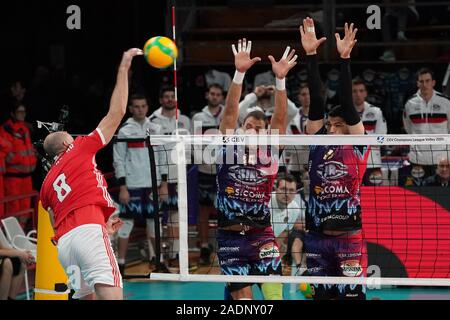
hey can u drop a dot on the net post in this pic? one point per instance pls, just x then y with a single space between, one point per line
182 207
155 201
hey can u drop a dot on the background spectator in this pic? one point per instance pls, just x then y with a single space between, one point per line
442 176
426 112
20 161
12 264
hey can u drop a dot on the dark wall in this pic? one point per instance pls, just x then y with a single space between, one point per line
34 33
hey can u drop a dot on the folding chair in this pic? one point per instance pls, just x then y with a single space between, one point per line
18 240
4 243
17 237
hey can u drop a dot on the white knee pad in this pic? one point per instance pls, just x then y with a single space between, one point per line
125 231
151 228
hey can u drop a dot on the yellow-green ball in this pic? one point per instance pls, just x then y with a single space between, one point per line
305 289
160 52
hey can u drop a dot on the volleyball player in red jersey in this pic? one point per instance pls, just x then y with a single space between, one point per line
75 193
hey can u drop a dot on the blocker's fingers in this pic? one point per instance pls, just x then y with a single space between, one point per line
233 47
285 54
244 45
249 46
239 45
291 54
293 59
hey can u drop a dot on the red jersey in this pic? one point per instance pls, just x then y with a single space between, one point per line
74 182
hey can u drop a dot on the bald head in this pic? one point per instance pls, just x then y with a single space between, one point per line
57 142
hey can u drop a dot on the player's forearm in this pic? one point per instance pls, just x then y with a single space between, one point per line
119 98
351 116
231 112
10 253
317 107
279 118
249 101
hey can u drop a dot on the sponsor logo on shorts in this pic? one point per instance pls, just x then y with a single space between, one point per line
351 268
230 261
350 255
315 269
269 252
313 255
229 249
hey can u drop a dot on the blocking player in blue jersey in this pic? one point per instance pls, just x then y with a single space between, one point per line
334 242
245 178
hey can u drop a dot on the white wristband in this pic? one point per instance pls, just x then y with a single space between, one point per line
238 77
280 84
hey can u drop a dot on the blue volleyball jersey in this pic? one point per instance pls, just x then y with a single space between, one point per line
244 184
335 174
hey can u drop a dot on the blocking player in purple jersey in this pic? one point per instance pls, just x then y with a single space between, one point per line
334 242
245 178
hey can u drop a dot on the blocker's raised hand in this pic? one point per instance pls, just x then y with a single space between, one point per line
242 59
308 37
345 45
286 63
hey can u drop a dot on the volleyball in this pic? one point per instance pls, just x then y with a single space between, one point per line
160 52
305 288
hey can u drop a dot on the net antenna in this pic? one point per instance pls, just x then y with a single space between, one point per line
175 82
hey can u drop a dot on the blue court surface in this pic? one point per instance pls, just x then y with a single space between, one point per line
214 291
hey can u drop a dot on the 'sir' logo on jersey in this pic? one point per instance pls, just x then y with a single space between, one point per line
247 175
331 170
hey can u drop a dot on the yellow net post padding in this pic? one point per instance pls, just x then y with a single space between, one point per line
50 275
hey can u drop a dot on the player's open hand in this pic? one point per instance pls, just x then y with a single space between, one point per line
242 59
286 63
113 225
308 37
345 45
128 56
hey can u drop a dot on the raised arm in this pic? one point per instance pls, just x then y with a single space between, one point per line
119 98
242 62
310 44
344 47
281 69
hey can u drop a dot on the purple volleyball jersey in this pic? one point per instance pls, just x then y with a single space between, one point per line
335 174
244 184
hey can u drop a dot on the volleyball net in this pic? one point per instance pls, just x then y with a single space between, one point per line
404 204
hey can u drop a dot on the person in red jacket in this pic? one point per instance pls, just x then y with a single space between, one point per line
20 160
5 148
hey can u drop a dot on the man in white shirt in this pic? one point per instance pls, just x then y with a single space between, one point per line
426 112
131 164
298 155
165 117
262 99
288 217
374 123
207 121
